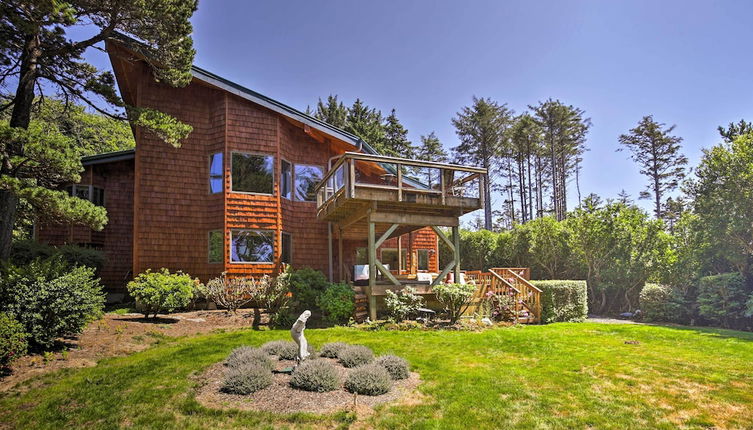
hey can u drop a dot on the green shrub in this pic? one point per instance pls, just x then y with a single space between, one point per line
284 349
660 303
162 291
315 375
330 350
275 298
355 355
246 379
563 301
369 380
13 342
403 304
246 354
24 252
396 366
50 299
337 303
722 299
455 298
306 285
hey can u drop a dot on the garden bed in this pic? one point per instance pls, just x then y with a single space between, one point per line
280 397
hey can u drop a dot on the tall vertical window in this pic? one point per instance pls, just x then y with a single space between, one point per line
252 246
215 173
287 248
286 179
252 173
306 178
423 259
215 246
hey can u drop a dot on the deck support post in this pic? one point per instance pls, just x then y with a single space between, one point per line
340 262
456 252
329 251
372 270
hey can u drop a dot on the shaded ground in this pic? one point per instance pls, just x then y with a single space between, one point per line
116 335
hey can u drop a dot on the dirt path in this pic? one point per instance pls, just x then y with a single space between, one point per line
115 335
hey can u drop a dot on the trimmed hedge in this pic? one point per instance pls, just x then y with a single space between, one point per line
563 301
722 299
24 252
660 303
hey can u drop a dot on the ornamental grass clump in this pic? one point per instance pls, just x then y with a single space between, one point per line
246 354
355 355
330 350
369 380
246 379
316 375
396 366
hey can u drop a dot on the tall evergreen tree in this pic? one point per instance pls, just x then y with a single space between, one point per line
431 149
658 155
732 131
482 130
333 112
39 51
564 130
525 143
396 143
366 123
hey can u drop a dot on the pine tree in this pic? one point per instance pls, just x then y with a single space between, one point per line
482 130
333 112
366 123
525 143
396 143
733 130
564 130
658 155
431 150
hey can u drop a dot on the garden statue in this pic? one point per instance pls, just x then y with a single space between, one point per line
297 332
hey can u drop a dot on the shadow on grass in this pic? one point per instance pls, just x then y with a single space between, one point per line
151 320
722 333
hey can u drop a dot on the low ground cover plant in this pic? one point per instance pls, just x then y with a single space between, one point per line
246 379
283 349
355 355
396 366
369 379
455 298
246 354
315 375
162 291
331 349
50 299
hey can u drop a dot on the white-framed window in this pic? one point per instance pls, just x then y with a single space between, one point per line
91 193
216 173
252 173
252 246
286 179
286 251
306 177
215 246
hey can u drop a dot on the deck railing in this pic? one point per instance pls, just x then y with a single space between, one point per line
355 170
511 282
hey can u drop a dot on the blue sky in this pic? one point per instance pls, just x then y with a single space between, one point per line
686 62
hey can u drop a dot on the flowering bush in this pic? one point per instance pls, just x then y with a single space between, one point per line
499 306
403 304
455 297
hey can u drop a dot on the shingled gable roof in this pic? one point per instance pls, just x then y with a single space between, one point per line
210 78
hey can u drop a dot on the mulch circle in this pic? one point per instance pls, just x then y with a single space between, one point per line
280 397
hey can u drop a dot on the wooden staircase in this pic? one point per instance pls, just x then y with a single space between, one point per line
509 281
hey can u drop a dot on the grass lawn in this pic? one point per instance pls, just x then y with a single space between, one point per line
533 377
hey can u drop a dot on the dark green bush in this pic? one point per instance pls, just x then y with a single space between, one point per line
355 355
306 285
330 350
24 252
13 342
660 303
369 380
50 299
563 301
337 303
158 292
396 366
246 379
315 375
722 299
246 354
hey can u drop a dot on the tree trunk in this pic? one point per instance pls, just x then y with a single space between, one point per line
20 117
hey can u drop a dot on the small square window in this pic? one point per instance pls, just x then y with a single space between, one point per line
215 246
253 173
286 179
216 173
306 179
252 246
287 248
